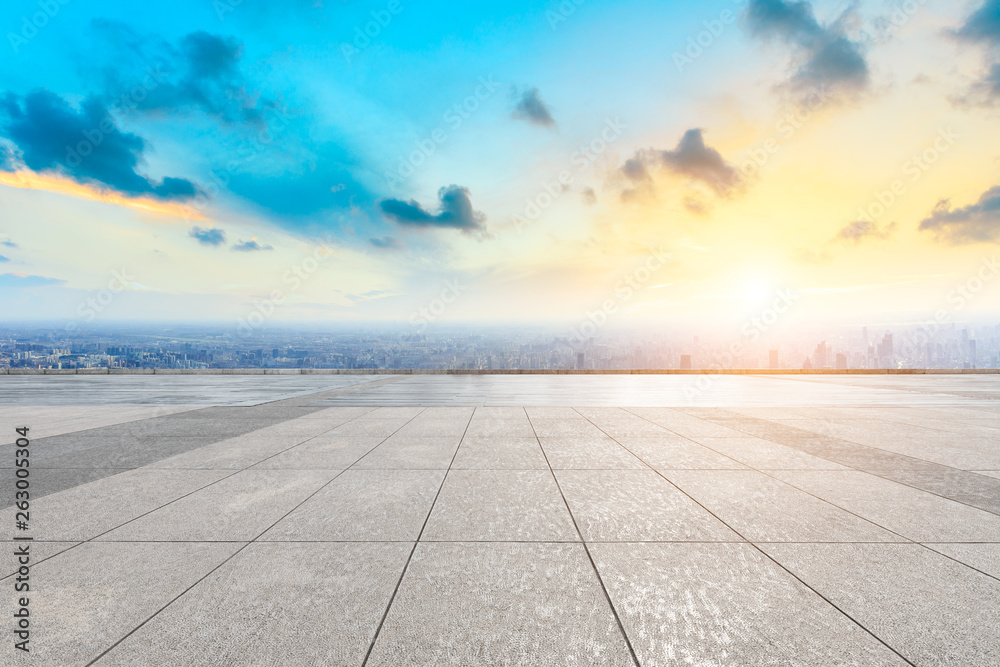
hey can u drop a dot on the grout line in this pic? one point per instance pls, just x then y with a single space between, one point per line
766 555
586 549
409 558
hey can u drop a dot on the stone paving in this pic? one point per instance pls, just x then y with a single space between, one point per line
506 520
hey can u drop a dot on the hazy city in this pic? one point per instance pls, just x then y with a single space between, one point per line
395 346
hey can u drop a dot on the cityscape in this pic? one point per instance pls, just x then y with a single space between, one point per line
467 347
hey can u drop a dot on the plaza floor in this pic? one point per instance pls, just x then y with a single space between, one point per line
505 520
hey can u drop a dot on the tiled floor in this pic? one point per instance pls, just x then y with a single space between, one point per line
508 520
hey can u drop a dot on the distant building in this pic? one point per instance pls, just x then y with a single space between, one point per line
841 362
581 360
685 362
772 359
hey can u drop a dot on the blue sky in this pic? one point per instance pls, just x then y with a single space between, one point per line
226 141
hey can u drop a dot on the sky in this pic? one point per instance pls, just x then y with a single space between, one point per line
643 162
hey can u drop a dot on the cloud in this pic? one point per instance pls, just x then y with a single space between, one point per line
22 280
589 196
388 242
209 79
84 144
830 60
532 108
976 223
809 257
4 259
211 237
860 230
9 244
983 25
983 28
456 211
691 158
7 160
250 246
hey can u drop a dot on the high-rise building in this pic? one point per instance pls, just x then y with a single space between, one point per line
772 359
685 362
841 362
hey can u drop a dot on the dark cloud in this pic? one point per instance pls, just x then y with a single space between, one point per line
860 230
589 196
983 28
212 237
388 242
250 246
983 25
976 223
532 108
830 60
85 145
635 170
199 73
694 159
455 211
21 280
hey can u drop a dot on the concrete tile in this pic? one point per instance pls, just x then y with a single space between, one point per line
37 551
523 505
983 557
375 428
85 511
394 413
500 453
636 505
324 452
402 452
726 604
500 604
672 452
763 509
89 597
434 427
232 454
239 508
46 481
340 413
929 608
989 473
764 455
364 506
565 428
132 453
251 611
912 513
595 453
